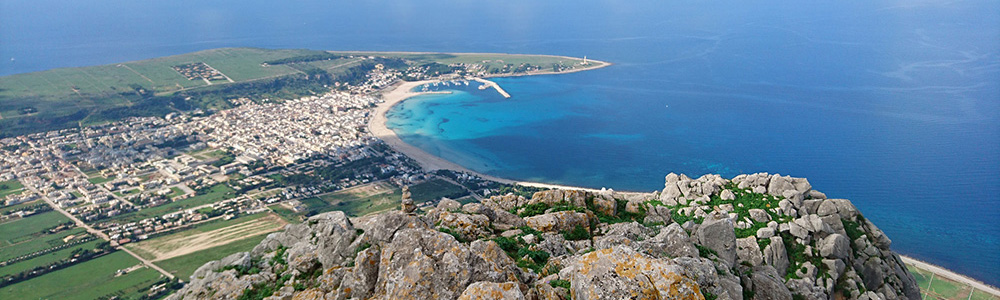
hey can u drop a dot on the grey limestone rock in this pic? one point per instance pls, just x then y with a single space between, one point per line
747 250
767 284
717 234
775 255
672 241
622 234
558 221
765 233
621 272
727 195
400 255
448 205
835 246
759 215
504 220
486 290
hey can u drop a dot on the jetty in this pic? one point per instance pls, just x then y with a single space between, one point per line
494 85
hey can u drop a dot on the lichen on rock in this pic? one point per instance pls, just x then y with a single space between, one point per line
756 236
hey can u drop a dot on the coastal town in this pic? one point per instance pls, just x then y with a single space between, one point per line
168 193
135 184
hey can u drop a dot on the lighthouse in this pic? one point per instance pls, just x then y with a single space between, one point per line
584 59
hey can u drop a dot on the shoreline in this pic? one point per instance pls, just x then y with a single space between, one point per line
377 127
401 91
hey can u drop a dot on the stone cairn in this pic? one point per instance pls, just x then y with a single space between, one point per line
406 204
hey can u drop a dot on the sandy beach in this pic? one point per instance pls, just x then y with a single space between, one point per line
402 91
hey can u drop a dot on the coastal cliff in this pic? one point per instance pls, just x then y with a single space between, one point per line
758 236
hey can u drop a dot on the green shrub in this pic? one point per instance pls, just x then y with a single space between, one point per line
362 247
258 291
708 295
457 236
560 283
279 256
568 207
578 233
539 257
763 243
508 245
533 209
705 251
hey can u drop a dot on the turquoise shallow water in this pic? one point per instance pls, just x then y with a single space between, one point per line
892 104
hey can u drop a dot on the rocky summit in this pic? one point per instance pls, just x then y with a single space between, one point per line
758 236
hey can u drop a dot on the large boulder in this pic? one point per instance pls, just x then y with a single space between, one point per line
485 290
717 234
768 285
775 255
621 272
748 250
672 241
622 234
470 227
835 246
505 202
423 264
558 221
553 197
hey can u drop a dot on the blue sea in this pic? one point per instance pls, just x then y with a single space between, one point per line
892 104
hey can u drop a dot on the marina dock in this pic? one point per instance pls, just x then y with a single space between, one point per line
494 85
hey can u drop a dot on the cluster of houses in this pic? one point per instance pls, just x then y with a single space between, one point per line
199 70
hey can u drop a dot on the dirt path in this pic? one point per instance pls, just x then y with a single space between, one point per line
137 73
170 247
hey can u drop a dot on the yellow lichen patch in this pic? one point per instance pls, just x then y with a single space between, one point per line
635 276
313 293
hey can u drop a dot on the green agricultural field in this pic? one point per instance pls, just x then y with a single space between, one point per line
217 193
435 189
376 197
72 97
22 230
99 179
174 192
934 287
473 58
14 207
184 266
10 187
66 97
45 259
88 280
362 200
287 214
37 242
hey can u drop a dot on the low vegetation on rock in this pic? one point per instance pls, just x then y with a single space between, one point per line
758 236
